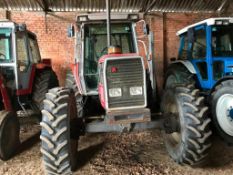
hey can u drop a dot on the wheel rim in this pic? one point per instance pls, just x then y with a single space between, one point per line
170 81
224 113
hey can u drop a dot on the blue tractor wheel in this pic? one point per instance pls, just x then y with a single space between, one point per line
222 110
178 74
190 143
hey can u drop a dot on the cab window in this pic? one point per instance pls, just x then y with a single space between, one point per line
5 45
184 48
22 54
33 45
199 45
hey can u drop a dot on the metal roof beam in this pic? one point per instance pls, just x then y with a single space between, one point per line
44 5
150 7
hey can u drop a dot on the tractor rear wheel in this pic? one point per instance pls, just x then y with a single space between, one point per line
190 142
80 100
44 81
9 134
222 110
178 74
59 150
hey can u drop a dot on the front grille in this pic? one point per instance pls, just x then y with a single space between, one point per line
129 73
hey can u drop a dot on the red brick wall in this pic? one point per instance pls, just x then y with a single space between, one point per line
52 36
55 44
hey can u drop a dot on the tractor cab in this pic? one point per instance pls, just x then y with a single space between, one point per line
18 52
92 43
208 45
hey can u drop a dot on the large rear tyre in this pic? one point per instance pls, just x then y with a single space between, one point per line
190 143
45 80
59 150
80 100
222 110
178 74
9 134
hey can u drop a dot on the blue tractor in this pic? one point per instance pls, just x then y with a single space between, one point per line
199 88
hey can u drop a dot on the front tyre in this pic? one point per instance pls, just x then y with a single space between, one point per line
190 143
58 149
9 134
222 110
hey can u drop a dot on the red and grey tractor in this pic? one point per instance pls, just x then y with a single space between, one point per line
110 88
24 81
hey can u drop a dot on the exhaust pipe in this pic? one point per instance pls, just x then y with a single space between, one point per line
108 13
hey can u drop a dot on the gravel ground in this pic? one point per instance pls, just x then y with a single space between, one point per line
138 153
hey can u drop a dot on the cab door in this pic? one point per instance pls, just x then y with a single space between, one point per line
24 64
199 55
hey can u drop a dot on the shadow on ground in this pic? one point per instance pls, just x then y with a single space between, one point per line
85 155
220 154
28 143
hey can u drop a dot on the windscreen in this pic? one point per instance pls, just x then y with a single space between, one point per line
5 45
95 41
222 41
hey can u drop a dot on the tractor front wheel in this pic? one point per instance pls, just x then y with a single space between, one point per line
222 110
59 150
190 142
9 134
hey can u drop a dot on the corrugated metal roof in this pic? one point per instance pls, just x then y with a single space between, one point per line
117 5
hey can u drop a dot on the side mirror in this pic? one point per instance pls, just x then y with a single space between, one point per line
22 27
70 31
146 29
172 59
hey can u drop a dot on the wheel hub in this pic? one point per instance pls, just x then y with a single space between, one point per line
231 112
224 113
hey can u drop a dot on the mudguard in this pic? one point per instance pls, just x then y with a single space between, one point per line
220 81
187 64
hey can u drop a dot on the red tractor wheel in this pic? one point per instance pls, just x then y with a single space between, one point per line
9 134
45 80
59 149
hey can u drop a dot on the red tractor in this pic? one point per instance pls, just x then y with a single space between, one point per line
24 81
110 88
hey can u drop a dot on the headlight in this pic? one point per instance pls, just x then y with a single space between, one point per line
135 90
115 92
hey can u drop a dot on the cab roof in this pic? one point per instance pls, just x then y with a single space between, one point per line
114 17
6 23
209 22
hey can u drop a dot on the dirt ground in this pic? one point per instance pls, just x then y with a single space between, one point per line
138 153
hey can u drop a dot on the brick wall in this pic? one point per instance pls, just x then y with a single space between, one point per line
54 43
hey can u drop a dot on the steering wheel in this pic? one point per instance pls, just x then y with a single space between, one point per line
105 49
4 56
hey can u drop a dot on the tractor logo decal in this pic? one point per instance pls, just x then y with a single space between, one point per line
114 69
